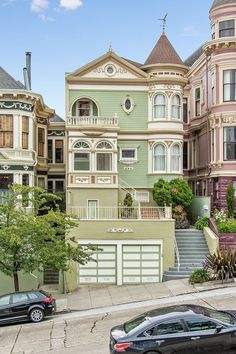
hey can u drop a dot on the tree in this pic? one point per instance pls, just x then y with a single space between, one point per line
230 198
162 193
181 194
34 235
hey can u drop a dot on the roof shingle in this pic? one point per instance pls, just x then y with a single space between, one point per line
8 82
163 53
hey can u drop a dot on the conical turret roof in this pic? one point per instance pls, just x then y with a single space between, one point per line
163 52
222 2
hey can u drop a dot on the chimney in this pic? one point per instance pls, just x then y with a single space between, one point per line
28 67
26 79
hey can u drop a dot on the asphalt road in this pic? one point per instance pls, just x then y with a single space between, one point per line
88 333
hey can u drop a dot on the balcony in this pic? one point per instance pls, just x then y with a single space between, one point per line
91 122
120 213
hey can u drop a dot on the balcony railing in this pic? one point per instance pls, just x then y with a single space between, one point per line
92 121
117 213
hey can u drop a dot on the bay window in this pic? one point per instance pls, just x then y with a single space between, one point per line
25 132
159 107
175 107
41 141
197 101
175 158
160 158
226 28
6 131
230 143
229 85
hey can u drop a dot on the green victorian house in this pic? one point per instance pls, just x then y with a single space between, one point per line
124 123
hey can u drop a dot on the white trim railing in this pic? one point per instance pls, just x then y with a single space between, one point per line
177 254
88 121
121 212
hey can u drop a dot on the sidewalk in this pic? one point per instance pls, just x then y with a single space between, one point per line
92 297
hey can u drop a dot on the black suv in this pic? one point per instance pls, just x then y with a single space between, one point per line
31 305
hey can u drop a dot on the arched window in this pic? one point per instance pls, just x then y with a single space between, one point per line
159 107
176 107
84 108
175 158
81 156
104 145
160 158
104 158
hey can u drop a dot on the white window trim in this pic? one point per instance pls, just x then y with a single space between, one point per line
90 160
166 107
112 160
180 158
129 159
180 107
166 158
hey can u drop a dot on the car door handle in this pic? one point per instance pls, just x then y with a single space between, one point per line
195 338
159 342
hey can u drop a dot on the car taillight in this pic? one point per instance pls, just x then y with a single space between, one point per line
48 299
120 348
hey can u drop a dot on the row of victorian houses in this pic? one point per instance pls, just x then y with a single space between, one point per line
128 124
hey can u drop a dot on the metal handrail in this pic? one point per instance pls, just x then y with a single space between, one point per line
177 254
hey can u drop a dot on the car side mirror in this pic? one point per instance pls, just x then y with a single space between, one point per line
218 329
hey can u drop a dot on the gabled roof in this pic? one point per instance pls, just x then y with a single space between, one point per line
222 2
194 57
163 53
8 82
128 64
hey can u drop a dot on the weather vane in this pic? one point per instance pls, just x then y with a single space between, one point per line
164 21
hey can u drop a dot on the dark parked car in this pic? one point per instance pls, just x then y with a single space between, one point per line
183 329
31 305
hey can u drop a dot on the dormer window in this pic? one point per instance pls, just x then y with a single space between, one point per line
227 28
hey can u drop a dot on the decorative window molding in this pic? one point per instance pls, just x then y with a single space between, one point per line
110 70
128 155
159 106
82 145
160 158
128 104
104 145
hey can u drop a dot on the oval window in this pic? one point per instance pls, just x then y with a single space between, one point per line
128 104
110 70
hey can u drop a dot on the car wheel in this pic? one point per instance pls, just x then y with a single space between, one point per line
36 315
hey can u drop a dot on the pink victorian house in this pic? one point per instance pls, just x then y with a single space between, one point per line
210 109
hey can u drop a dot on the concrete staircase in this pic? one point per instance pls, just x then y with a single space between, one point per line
193 249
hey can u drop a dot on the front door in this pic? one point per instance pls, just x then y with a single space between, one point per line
92 209
206 338
20 305
169 338
5 310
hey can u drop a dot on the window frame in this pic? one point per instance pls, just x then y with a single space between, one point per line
41 144
62 151
104 152
230 142
6 131
156 156
231 84
197 101
162 105
175 106
82 152
135 158
175 156
222 30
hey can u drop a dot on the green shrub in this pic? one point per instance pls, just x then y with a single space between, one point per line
230 198
220 215
162 193
202 222
199 276
228 226
222 264
181 193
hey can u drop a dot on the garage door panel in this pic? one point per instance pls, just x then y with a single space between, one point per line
103 270
142 266
131 256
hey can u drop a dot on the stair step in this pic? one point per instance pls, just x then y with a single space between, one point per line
189 268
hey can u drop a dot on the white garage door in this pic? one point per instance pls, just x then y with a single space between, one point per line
141 264
102 271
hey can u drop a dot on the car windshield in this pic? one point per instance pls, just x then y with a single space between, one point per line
136 323
220 316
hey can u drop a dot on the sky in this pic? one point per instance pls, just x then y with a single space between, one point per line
64 35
